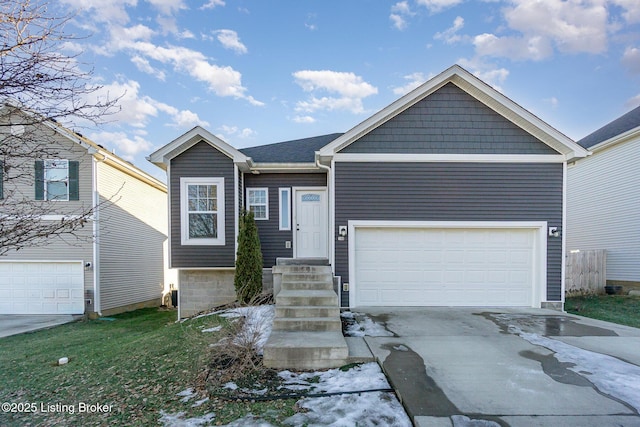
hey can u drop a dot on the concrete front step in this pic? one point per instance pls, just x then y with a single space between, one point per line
287 297
307 277
303 261
308 284
307 311
307 324
305 350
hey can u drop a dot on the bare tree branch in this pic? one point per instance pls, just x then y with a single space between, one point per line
39 87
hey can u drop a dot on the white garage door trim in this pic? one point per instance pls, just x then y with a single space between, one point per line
37 295
539 262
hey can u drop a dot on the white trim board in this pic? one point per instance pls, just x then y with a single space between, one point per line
539 278
448 158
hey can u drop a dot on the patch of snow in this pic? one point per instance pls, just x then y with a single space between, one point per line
363 326
186 394
214 329
257 325
248 420
200 402
363 409
462 421
612 376
231 386
178 420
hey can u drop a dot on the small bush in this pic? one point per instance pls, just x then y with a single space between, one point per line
248 276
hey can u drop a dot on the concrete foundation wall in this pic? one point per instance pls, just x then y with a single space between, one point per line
201 290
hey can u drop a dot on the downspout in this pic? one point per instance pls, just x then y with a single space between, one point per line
563 235
96 237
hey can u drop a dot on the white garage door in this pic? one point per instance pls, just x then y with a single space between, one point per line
443 267
41 288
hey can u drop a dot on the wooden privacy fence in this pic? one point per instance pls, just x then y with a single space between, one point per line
586 272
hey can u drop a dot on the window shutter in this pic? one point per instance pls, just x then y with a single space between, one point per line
74 181
39 180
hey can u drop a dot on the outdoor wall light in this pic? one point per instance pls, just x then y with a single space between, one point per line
553 232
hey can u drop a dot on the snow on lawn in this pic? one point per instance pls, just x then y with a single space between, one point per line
363 409
257 324
360 325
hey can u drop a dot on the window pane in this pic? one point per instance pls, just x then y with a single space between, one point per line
56 190
56 170
284 210
203 226
193 191
260 212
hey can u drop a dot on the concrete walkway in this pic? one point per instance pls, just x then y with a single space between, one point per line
13 324
509 367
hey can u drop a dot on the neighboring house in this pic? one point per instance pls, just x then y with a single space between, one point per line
447 197
603 203
114 263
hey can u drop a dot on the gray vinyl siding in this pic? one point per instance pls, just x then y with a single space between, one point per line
272 240
451 192
449 121
202 161
133 229
73 247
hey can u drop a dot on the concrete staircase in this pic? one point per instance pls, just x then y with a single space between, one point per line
307 331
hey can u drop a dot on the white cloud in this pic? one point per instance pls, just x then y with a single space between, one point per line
398 21
223 81
212 4
534 48
553 101
450 35
125 147
346 84
168 7
227 132
230 40
631 8
413 81
400 12
136 110
436 6
541 27
633 102
631 59
112 11
304 119
351 89
486 72
143 65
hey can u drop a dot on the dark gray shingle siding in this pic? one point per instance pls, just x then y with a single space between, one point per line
451 192
272 240
202 160
449 121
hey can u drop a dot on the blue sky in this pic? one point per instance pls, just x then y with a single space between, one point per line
255 72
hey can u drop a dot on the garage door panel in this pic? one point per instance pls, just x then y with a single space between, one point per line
457 267
42 287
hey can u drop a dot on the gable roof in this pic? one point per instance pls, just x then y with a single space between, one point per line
295 151
623 124
163 156
101 153
477 89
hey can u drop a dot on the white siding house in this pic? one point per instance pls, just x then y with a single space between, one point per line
603 198
115 262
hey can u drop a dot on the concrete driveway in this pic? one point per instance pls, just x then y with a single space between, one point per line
509 367
13 324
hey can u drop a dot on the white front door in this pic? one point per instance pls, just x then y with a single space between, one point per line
311 223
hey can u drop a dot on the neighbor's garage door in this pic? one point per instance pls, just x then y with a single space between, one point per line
443 267
41 288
